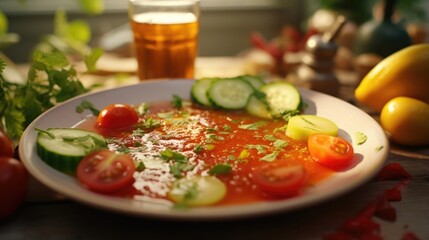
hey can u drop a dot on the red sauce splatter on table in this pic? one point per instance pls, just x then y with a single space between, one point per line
362 225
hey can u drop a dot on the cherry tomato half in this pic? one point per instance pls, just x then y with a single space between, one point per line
117 116
13 185
333 152
105 171
6 145
280 178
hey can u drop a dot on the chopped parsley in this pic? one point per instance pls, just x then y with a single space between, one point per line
226 128
259 148
177 102
270 137
220 169
180 162
169 154
198 148
178 168
142 109
151 123
279 143
253 126
360 138
270 157
140 167
379 148
85 104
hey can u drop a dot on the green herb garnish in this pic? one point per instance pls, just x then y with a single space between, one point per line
270 157
360 138
253 126
279 143
151 123
142 109
220 169
260 148
198 148
140 167
379 148
169 154
178 168
87 105
177 102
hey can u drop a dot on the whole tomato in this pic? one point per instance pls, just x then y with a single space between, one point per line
6 145
13 185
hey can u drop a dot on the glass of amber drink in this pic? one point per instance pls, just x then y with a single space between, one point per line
165 37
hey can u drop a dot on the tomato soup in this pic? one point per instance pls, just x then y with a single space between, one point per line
208 137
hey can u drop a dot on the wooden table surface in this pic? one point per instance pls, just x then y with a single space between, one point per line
48 215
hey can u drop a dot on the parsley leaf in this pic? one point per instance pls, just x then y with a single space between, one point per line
169 154
177 102
87 105
140 167
92 58
270 157
219 169
253 126
360 138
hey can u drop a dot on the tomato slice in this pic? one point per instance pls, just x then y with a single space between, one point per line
280 177
117 116
105 171
330 151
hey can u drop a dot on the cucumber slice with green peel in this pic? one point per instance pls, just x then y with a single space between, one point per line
281 97
258 108
255 81
199 91
63 148
300 127
230 93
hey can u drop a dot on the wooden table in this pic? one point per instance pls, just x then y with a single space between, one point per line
47 215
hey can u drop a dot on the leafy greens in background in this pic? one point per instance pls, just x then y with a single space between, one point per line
51 79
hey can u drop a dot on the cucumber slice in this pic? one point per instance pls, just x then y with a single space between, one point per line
63 148
200 89
255 81
258 108
281 97
197 191
300 127
230 93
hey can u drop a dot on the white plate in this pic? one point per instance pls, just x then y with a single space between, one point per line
349 119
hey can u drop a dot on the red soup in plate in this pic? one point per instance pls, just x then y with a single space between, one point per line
231 156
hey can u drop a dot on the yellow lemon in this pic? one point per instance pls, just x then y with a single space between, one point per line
404 73
406 119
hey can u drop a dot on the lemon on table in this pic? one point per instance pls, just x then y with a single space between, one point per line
407 121
404 73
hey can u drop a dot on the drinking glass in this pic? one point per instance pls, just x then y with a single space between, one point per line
165 37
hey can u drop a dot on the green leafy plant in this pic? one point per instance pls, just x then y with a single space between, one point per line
51 79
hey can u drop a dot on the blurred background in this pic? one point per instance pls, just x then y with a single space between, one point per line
226 25
227 28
